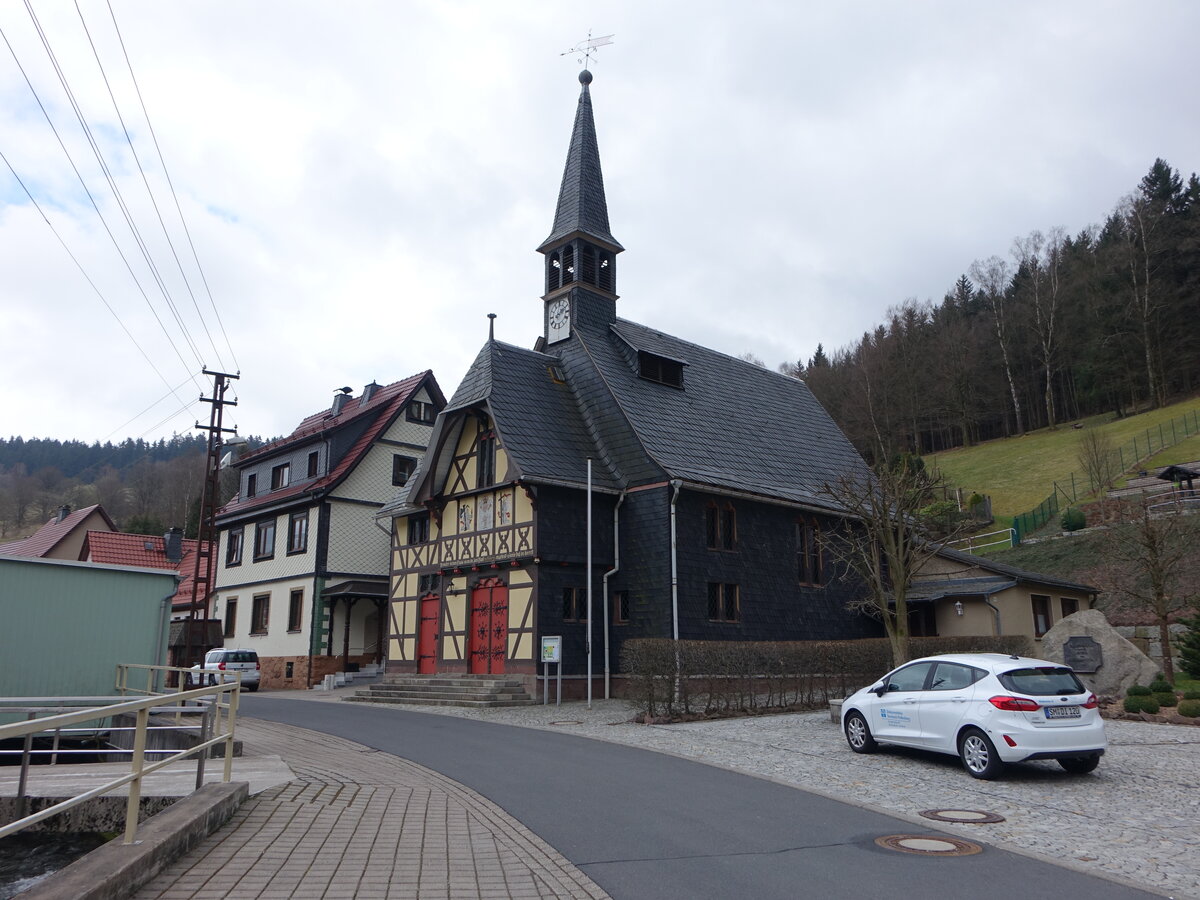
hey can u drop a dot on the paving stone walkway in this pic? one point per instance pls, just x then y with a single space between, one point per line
363 824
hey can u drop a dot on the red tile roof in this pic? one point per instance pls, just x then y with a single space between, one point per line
120 548
49 535
384 405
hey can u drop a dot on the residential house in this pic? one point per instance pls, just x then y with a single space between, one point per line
702 472
63 536
302 566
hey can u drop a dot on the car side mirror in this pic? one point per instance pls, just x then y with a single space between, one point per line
880 689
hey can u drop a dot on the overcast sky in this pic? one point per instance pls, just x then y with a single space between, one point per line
364 182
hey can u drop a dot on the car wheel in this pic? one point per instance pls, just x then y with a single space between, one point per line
252 688
978 754
1080 765
858 735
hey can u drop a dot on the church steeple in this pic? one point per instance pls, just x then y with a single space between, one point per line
580 251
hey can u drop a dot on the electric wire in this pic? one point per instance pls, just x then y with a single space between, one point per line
146 182
170 393
88 279
113 187
167 175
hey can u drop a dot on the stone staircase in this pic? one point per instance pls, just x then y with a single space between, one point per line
445 690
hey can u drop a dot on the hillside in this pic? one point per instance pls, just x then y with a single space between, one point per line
1019 472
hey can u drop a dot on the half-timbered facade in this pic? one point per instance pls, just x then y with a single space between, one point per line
702 472
302 565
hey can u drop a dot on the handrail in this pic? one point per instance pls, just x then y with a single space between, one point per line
209 696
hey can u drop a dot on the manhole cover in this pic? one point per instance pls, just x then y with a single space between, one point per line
927 845
962 816
567 722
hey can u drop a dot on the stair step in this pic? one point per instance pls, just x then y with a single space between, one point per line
436 695
419 701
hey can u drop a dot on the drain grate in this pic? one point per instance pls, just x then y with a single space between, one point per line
567 722
962 816
927 845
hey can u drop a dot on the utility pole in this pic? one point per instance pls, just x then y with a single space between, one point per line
210 498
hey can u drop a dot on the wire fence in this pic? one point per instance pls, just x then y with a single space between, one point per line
1107 465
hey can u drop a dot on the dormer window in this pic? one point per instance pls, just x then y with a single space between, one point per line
421 412
280 476
661 369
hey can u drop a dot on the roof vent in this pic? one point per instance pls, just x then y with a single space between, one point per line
368 393
63 512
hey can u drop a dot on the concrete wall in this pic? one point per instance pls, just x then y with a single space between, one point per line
68 624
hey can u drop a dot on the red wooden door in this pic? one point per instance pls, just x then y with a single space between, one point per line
489 627
427 636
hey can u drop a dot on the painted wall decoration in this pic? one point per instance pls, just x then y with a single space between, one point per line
486 512
504 510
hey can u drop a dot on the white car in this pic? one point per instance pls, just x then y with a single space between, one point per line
986 708
224 660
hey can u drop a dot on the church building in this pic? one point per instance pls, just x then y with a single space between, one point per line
702 473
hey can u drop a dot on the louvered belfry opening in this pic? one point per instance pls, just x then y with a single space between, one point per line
553 272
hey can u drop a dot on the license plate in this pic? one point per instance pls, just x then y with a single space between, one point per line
1062 712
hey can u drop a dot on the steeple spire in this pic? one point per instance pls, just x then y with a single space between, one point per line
582 208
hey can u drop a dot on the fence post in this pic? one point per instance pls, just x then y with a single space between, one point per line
135 786
1121 454
1074 499
1174 439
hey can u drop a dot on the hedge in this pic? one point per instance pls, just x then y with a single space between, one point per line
684 678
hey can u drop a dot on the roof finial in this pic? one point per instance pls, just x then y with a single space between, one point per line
491 327
588 50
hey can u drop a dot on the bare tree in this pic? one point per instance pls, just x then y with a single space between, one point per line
884 541
1039 260
1150 567
1142 224
1097 458
994 279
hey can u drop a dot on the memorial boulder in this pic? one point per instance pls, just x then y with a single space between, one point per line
1106 662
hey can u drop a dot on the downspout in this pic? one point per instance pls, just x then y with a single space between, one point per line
676 487
164 611
995 612
613 571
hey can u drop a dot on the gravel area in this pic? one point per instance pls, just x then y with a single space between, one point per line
1135 819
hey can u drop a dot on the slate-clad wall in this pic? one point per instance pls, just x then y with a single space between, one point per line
774 606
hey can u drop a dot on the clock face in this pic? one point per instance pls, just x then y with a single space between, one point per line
560 320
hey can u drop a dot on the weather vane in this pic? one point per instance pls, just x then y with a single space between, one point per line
586 50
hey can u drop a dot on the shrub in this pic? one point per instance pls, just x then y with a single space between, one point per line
1160 685
1191 695
1189 708
1189 647
1133 703
1138 690
1073 519
1165 698
1149 705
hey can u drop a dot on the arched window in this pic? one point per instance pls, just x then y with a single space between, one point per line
589 265
568 264
809 563
720 526
553 273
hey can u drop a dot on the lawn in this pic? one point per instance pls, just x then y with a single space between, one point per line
1019 473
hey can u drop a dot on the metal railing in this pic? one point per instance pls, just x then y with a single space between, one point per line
978 542
207 702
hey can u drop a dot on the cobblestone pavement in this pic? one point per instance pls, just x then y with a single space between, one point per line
363 824
1135 819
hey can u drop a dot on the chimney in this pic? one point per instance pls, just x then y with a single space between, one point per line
368 393
63 512
340 398
173 545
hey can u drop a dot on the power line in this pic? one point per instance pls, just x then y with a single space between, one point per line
146 182
169 393
162 162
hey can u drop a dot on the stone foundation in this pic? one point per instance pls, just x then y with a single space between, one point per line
273 670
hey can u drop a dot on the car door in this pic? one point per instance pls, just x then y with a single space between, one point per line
946 701
897 716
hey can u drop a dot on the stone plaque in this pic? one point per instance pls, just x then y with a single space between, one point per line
1083 654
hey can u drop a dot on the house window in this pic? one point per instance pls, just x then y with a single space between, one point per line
485 470
233 546
1069 605
720 525
722 602
809 565
295 609
1041 614
574 604
289 670
402 469
260 613
658 368
251 484
280 476
427 584
421 412
230 617
621 608
264 540
298 532
418 528
314 460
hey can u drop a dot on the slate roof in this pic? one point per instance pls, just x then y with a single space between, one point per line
1013 573
46 538
958 587
384 406
121 548
581 202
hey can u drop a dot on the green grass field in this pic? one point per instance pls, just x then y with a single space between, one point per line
1018 473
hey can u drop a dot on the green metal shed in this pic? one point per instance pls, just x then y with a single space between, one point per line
66 625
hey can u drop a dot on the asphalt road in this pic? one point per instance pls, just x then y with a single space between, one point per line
648 825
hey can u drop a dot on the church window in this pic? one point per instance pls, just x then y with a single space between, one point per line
486 461
605 279
554 275
720 525
658 368
722 602
418 528
568 264
621 608
574 604
809 567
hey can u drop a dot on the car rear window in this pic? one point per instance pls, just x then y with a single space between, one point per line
242 656
1042 681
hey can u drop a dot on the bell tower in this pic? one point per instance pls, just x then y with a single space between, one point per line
580 253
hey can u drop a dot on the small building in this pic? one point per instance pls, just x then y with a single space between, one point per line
957 593
63 536
302 566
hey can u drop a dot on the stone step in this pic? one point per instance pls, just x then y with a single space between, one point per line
440 701
449 688
445 695
449 680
